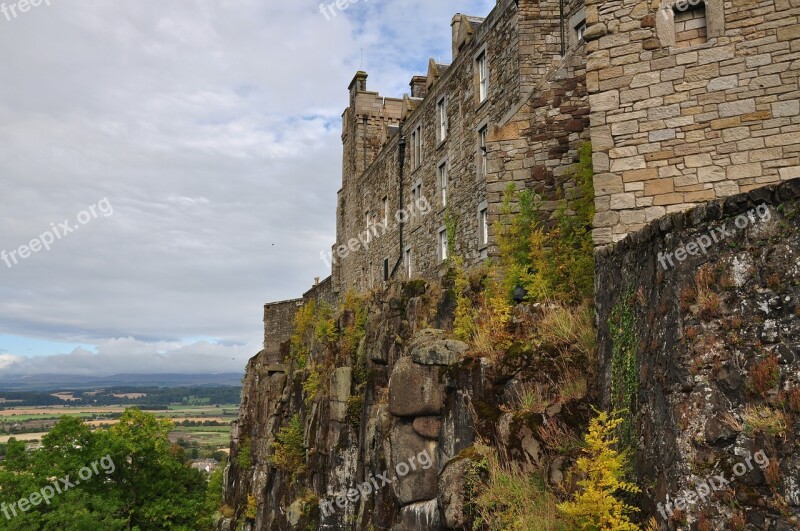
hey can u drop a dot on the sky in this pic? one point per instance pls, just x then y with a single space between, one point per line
166 168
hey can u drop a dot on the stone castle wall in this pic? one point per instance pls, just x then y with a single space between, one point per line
675 122
535 115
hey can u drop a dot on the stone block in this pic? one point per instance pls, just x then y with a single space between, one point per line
734 108
785 139
414 390
786 108
723 83
697 161
667 199
710 174
741 171
659 186
607 183
792 172
629 163
623 201
643 174
605 101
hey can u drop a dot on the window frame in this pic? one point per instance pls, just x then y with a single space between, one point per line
416 146
482 66
483 150
483 224
443 244
443 181
442 122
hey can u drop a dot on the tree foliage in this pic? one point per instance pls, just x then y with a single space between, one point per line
141 482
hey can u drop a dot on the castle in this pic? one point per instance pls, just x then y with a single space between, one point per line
683 102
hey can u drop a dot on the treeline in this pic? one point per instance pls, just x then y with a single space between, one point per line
128 476
155 397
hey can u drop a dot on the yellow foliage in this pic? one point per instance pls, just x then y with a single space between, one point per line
595 507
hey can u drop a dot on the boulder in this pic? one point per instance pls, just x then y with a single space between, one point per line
439 352
452 498
414 390
428 427
413 464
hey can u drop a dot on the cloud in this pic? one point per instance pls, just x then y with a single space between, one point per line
213 128
128 355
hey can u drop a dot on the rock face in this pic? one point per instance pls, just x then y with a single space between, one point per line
711 300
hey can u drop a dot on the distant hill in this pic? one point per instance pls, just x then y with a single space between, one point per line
47 382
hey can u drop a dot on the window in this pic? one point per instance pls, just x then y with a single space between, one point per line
386 211
416 195
443 245
416 146
484 165
441 120
443 182
690 23
483 77
409 268
385 269
483 226
579 30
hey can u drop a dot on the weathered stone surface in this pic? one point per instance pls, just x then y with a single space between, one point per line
419 516
410 453
697 364
340 391
452 495
441 352
428 427
414 390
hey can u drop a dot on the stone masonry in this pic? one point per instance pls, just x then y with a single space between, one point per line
678 123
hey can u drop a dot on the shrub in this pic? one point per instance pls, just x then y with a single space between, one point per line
289 452
251 509
764 376
551 259
602 469
244 459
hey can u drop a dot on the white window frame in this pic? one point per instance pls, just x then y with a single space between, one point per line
482 63
386 211
441 119
409 257
483 224
416 146
483 150
579 31
442 244
443 180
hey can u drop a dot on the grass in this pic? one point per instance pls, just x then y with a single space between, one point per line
510 499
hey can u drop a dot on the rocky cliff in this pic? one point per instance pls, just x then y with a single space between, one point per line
389 425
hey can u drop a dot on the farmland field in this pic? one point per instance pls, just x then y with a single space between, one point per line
201 427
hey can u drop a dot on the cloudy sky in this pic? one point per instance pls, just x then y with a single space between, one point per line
193 149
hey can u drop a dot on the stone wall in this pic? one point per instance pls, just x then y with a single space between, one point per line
674 126
278 326
716 346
